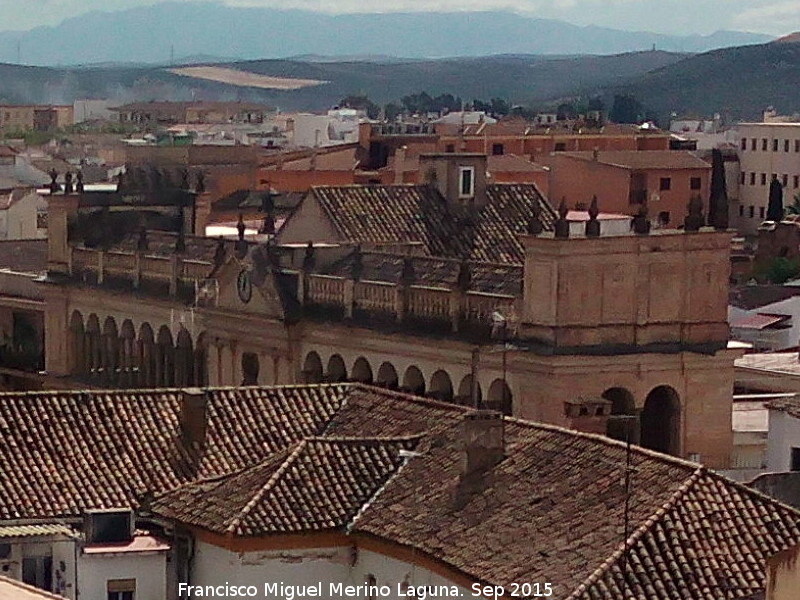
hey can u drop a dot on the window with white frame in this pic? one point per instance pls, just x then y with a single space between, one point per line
121 589
466 182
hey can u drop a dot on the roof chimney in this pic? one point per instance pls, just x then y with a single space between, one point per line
193 419
483 442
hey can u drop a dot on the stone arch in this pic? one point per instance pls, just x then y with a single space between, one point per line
499 397
362 371
464 395
661 420
128 364
165 358
387 376
623 406
201 360
146 350
413 381
337 371
77 345
250 368
93 346
184 359
312 368
441 386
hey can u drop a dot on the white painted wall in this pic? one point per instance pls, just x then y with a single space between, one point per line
148 568
784 434
216 566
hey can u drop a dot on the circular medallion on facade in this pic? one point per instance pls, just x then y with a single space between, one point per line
244 286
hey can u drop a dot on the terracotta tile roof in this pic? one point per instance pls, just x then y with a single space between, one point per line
432 271
552 510
494 163
642 159
417 213
24 256
750 297
11 589
789 405
64 452
342 160
317 484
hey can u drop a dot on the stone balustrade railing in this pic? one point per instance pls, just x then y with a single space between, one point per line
448 306
137 267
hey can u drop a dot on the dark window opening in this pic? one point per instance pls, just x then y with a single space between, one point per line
795 466
752 212
763 179
752 178
764 143
560 147
663 217
785 145
497 149
694 183
664 184
761 212
450 148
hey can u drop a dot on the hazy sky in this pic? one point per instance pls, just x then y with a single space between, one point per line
775 17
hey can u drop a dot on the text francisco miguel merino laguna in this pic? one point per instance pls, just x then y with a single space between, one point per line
282 591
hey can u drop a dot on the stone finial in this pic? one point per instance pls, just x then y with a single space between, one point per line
408 276
241 227
593 225
694 219
79 187
535 226
54 187
641 224
561 224
141 244
220 253
357 269
68 182
309 260
464 279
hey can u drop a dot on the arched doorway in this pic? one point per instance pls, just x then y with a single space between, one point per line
312 368
250 368
413 381
624 419
387 376
165 358
146 350
499 397
464 396
361 371
661 420
77 346
337 371
184 359
441 386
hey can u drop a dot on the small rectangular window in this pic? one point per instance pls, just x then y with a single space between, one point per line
764 144
797 145
664 184
497 149
466 182
784 180
763 179
753 144
795 466
694 183
741 180
560 146
121 589
450 148
752 211
775 145
796 182
760 212
741 210
785 145
744 143
752 178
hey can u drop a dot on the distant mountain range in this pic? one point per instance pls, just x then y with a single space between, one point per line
736 82
157 33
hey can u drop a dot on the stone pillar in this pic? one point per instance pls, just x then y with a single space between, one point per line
348 298
213 364
56 328
202 210
59 210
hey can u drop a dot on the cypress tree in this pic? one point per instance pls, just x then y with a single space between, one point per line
775 206
718 200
